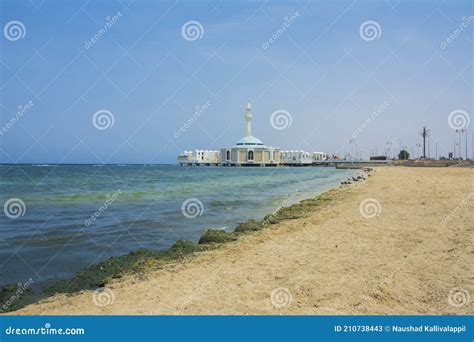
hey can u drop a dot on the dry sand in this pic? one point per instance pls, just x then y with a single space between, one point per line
406 260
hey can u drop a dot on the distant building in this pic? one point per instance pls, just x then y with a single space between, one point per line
301 157
199 157
249 150
207 157
296 158
185 158
317 156
378 158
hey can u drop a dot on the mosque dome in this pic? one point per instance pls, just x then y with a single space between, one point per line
249 141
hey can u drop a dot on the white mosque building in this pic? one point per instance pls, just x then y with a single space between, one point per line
249 151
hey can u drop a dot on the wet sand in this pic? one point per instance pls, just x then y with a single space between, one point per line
415 256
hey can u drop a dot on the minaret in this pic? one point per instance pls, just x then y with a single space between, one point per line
248 118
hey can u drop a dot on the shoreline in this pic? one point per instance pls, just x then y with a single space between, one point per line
329 258
138 262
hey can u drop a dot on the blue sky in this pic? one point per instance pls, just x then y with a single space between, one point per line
319 69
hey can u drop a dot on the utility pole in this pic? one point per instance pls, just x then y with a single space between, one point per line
460 131
388 148
429 147
425 134
466 143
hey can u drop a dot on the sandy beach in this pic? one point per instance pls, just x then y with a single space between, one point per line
410 251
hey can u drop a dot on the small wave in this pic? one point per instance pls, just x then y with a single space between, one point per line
51 241
228 203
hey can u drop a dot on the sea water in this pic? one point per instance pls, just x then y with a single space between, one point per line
73 216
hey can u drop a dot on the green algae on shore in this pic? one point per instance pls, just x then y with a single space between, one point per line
216 236
249 226
100 274
301 209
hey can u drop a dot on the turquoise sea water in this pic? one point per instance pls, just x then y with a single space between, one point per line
134 206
